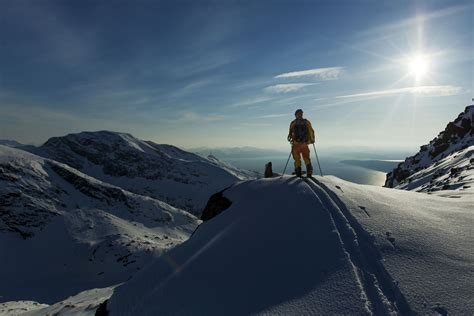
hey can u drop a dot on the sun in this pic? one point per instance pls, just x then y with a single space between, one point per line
419 66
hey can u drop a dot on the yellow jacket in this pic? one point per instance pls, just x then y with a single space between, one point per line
291 134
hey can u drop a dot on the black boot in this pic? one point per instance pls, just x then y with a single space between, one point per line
309 170
298 171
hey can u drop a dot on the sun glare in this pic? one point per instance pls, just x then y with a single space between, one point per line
419 66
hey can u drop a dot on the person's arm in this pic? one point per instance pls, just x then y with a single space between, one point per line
311 132
290 132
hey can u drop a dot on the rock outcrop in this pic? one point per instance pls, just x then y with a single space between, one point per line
450 146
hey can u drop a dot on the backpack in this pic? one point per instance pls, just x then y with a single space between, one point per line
300 131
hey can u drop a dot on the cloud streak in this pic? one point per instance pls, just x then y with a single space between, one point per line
274 115
251 102
193 117
329 73
428 91
287 87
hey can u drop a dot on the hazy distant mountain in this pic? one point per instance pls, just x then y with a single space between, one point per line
240 173
180 178
62 231
237 152
446 163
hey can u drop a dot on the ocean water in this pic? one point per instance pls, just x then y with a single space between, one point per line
373 171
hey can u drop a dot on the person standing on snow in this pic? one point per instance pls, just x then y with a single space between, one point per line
301 134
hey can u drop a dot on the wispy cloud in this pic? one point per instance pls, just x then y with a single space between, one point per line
193 117
287 87
329 73
273 115
429 91
251 102
190 88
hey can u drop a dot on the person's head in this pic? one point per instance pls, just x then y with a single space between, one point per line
299 113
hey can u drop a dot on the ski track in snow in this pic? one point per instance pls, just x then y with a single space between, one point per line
384 297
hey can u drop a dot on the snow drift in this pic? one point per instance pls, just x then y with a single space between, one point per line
292 246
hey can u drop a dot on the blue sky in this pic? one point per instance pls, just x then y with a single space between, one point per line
232 73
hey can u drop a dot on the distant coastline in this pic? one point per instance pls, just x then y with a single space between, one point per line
377 165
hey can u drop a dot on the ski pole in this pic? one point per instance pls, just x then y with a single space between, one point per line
319 165
287 162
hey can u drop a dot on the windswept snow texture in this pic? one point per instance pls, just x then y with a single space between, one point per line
62 231
452 176
293 246
84 303
167 173
446 163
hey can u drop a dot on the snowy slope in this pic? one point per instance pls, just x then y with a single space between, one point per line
258 256
450 176
446 163
290 246
182 179
71 232
10 143
84 303
424 242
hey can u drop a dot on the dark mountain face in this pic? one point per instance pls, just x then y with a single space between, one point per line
458 135
28 201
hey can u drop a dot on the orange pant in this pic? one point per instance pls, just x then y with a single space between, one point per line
297 151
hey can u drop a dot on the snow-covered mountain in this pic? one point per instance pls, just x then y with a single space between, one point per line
446 163
239 173
269 246
10 143
182 179
237 152
302 247
84 303
62 231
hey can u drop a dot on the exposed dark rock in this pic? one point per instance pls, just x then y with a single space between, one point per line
102 309
89 188
268 170
20 189
217 204
457 135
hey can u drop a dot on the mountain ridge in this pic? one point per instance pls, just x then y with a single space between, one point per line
164 172
444 163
